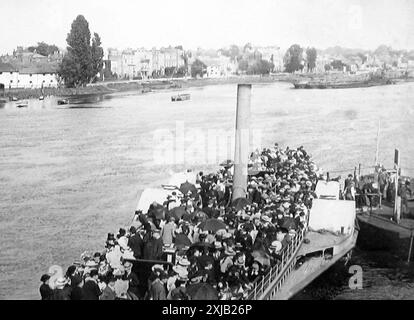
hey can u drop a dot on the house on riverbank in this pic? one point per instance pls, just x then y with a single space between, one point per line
8 75
30 77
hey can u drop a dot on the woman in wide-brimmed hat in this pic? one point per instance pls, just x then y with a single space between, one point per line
62 290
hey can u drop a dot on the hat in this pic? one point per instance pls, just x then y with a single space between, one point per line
286 205
91 264
218 245
183 275
118 272
178 269
184 262
158 267
61 282
227 235
309 184
266 218
229 251
45 277
277 245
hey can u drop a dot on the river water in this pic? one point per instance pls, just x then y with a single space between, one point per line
70 174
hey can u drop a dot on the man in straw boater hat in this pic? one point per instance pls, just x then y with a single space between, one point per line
227 259
274 251
62 290
133 281
180 291
108 292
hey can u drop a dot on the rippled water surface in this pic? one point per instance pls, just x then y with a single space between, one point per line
70 174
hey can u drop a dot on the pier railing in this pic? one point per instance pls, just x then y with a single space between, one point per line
264 288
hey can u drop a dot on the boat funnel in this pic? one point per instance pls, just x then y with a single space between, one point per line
241 152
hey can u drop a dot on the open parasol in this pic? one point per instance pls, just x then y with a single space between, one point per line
240 203
212 225
177 212
187 187
261 257
288 223
202 291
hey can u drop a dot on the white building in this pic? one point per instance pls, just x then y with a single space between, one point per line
8 75
28 77
37 77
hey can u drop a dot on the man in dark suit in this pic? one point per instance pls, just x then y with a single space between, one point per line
91 290
132 278
136 243
153 246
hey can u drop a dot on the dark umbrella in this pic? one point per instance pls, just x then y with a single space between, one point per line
204 260
202 291
261 257
212 225
188 187
288 223
201 245
181 241
157 211
177 212
240 203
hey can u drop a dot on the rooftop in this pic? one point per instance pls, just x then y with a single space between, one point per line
7 67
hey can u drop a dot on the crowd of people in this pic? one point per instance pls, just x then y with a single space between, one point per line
368 190
199 243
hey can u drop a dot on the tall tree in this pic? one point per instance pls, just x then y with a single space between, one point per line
243 65
76 68
293 58
198 68
97 54
234 52
311 55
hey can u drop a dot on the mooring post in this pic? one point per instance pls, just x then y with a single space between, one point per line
411 246
241 152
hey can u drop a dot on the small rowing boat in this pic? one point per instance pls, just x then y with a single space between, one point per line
22 104
63 101
181 97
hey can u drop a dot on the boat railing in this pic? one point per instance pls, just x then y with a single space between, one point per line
265 288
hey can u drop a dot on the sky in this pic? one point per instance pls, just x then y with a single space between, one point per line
361 24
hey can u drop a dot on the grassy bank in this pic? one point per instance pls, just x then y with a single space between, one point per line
138 86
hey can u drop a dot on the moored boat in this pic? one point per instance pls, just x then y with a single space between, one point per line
341 85
181 97
22 104
62 101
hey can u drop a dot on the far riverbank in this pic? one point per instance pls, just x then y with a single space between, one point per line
144 86
139 86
